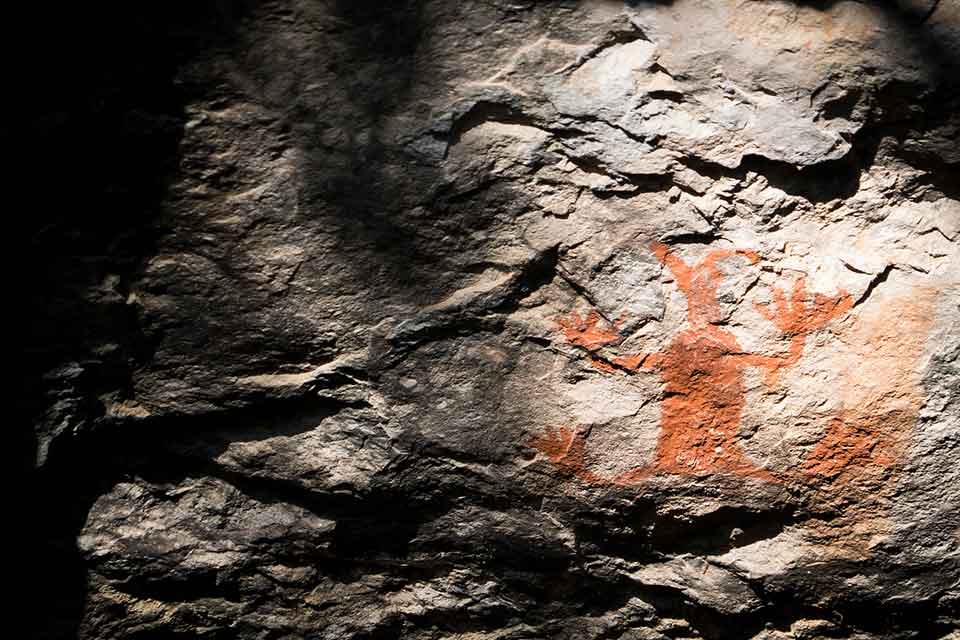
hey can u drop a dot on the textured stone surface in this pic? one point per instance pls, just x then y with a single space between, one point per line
493 319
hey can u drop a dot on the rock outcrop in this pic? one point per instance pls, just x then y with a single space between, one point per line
492 319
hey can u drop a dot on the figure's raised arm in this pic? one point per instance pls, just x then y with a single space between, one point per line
589 331
681 271
801 314
719 254
796 318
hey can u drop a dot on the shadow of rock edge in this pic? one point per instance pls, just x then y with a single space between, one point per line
123 135
94 121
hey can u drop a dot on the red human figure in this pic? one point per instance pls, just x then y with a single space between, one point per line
702 370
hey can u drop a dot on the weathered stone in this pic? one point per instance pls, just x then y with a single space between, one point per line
494 319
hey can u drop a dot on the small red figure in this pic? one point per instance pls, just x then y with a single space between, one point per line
702 369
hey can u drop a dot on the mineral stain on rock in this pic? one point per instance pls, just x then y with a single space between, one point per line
860 459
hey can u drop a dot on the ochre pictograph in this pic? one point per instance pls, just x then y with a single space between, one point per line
702 370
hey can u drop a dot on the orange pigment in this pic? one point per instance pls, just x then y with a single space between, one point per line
702 370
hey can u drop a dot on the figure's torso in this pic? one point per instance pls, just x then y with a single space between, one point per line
704 396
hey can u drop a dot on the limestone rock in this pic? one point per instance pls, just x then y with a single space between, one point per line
491 319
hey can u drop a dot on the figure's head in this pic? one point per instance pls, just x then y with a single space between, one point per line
699 283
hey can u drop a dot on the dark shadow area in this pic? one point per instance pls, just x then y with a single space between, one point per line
719 531
92 120
898 112
358 182
856 610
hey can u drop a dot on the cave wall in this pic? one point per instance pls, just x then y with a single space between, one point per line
489 319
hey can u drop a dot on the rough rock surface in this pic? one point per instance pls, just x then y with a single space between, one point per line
491 319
